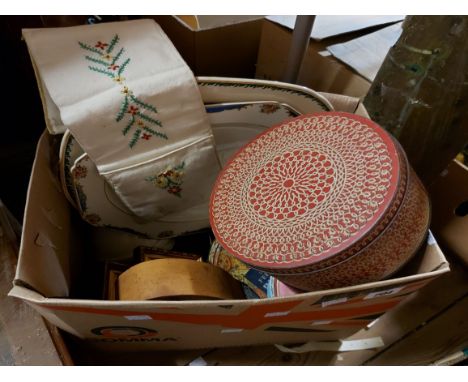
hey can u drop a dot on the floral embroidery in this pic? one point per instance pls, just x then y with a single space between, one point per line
126 91
170 180
132 110
108 64
119 79
101 45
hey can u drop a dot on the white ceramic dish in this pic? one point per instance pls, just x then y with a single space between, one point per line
235 124
70 150
222 89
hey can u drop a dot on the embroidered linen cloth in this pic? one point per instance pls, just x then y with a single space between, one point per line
134 106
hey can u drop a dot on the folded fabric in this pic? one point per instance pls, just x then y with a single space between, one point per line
134 106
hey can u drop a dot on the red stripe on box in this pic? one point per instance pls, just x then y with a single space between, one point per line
251 318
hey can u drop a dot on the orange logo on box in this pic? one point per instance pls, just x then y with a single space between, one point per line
124 332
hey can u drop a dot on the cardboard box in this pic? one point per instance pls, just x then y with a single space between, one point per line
449 195
224 46
51 254
421 330
321 73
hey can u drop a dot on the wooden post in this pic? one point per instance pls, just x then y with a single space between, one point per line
420 93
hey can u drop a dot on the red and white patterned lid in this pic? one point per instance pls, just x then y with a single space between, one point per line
304 190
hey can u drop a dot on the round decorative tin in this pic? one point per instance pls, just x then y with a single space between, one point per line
309 194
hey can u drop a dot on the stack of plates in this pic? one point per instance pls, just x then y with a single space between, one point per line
238 110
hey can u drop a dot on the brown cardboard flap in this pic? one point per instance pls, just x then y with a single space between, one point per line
44 252
342 102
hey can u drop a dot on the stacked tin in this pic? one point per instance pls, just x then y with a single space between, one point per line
321 201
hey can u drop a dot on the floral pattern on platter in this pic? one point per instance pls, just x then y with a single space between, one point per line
138 112
93 219
170 180
269 108
80 172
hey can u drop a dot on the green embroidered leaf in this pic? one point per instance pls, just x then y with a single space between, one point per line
99 70
154 132
122 67
115 59
97 61
136 136
149 119
143 104
129 126
112 44
123 109
90 48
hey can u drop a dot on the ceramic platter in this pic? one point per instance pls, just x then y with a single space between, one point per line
235 120
301 98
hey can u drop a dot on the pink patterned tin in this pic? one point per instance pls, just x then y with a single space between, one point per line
311 194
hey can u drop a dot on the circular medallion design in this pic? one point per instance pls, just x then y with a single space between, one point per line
291 185
304 190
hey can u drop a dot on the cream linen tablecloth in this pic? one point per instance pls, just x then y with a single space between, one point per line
134 106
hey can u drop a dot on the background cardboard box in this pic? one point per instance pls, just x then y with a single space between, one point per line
224 46
449 194
321 73
55 243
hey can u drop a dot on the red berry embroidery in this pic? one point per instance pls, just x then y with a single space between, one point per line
132 110
101 45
